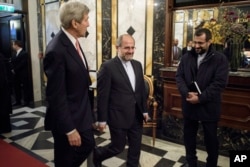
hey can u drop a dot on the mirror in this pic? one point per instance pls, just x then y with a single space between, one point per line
186 21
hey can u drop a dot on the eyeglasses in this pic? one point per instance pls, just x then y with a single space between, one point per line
199 43
128 48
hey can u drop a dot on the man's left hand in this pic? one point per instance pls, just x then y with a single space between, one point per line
193 97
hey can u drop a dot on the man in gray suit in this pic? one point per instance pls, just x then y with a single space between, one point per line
69 114
121 103
176 50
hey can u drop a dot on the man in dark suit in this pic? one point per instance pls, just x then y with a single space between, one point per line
201 102
188 48
69 114
20 71
176 50
5 97
121 103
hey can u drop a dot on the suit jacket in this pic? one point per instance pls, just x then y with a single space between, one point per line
67 87
185 50
117 103
211 78
5 95
178 54
20 64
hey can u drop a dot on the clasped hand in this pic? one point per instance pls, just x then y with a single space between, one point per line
192 97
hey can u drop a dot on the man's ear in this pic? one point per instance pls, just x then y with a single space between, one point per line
210 41
74 23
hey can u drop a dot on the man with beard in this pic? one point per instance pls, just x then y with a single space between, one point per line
201 77
121 103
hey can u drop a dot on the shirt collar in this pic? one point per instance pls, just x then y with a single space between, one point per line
202 55
71 38
18 51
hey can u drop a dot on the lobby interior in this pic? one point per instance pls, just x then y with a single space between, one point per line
153 23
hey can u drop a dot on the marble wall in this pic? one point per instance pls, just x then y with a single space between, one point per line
52 23
158 53
111 18
89 43
106 30
132 20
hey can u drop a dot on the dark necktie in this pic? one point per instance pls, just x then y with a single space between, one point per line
175 52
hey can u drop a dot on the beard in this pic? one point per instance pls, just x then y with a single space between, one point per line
126 57
200 50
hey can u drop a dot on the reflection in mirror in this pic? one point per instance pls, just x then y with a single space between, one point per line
177 51
224 23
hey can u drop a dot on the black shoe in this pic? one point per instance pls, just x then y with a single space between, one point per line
96 161
185 165
5 131
16 104
26 104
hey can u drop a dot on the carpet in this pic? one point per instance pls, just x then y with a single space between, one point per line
10 156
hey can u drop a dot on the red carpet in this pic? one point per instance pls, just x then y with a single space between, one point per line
10 156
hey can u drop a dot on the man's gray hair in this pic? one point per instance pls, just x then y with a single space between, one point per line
72 10
120 38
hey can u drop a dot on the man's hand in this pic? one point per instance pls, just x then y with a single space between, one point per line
74 139
101 126
146 117
193 97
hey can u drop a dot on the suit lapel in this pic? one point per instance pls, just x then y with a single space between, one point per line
74 54
72 50
84 57
19 55
136 71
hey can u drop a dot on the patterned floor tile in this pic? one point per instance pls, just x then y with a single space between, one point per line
28 135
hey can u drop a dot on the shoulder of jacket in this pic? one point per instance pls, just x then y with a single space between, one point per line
108 62
217 53
135 61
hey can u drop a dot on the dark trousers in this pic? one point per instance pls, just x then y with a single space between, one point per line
72 156
118 141
5 125
22 88
210 140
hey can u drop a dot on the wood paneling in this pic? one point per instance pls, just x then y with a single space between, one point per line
235 100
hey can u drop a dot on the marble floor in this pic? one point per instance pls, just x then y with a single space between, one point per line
28 135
